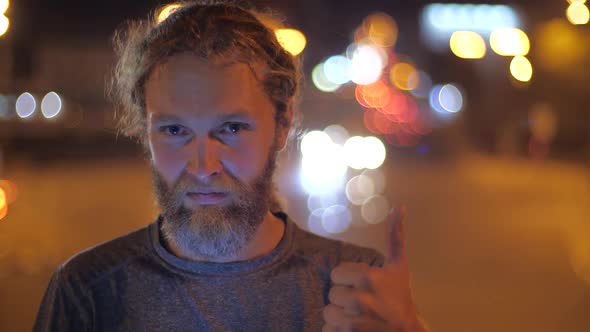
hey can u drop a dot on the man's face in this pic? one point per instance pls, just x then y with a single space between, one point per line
213 144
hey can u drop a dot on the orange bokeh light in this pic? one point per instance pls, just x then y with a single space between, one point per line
10 190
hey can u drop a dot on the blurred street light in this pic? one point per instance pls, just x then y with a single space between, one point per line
468 45
292 40
577 13
521 68
4 24
510 42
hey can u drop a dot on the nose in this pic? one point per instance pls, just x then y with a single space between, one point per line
204 162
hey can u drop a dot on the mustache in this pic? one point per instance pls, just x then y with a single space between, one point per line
188 184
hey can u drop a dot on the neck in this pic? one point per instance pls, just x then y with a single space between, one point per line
267 237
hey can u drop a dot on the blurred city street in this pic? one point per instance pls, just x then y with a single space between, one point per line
494 245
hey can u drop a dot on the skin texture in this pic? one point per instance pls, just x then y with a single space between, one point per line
211 128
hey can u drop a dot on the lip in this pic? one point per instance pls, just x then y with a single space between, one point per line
206 198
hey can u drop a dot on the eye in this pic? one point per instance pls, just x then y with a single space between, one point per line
173 130
233 128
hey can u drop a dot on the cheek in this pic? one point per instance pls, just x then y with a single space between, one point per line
247 162
168 162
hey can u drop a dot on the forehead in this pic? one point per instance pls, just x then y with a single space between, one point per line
186 82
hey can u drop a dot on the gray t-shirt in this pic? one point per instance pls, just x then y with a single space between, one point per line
133 283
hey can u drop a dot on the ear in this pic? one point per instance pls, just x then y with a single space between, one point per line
284 127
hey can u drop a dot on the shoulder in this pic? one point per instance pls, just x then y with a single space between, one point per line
331 252
106 258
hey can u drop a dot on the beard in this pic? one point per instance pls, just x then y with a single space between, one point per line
213 232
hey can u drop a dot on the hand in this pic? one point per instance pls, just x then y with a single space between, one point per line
367 298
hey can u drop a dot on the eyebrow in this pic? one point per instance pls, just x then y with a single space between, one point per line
165 117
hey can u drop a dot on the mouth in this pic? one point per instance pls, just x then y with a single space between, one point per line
206 198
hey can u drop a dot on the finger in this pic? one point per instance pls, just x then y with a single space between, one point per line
347 298
337 319
396 240
351 274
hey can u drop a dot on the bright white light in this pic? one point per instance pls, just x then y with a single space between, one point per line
366 64
439 21
51 105
337 69
374 152
359 188
325 200
336 219
354 152
450 98
4 24
364 152
375 209
480 18
322 165
25 105
4 6
314 142
320 80
337 133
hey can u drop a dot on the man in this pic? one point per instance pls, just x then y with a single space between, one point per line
209 92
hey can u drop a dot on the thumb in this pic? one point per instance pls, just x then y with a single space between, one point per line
396 236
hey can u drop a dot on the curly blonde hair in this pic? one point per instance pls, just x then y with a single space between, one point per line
209 30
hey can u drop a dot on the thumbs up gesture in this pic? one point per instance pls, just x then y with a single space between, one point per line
368 298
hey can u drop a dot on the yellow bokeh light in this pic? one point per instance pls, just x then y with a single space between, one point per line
468 45
510 42
293 41
404 76
576 1
4 4
10 191
521 68
166 11
3 204
4 23
381 29
577 13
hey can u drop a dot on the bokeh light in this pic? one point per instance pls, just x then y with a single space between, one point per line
577 13
10 190
166 11
378 178
364 152
480 17
510 42
320 80
366 64
381 29
560 47
323 166
51 105
4 24
521 68
337 69
25 105
337 133
292 40
336 219
3 204
404 76
375 209
359 188
468 45
424 85
314 222
4 4
450 98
